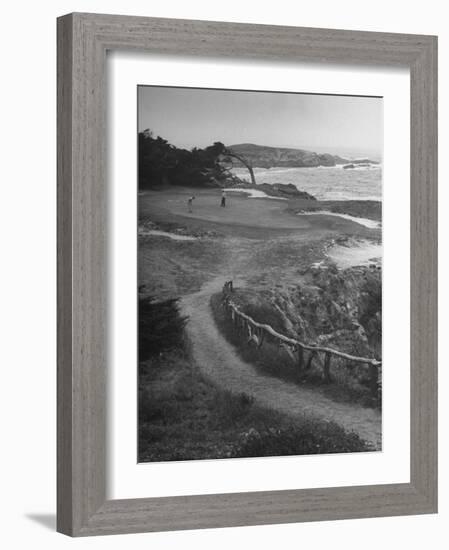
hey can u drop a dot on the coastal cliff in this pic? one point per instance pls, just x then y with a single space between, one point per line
262 156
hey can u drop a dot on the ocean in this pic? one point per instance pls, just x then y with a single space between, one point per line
325 183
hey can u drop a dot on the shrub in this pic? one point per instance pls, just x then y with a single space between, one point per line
233 407
161 327
161 163
311 438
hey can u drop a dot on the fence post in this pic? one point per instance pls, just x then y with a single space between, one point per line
309 360
373 376
300 357
327 365
244 324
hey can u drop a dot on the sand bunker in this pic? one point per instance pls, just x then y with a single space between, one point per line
173 236
254 194
371 224
359 253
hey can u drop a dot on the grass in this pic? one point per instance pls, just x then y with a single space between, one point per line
271 360
168 268
242 217
183 416
268 359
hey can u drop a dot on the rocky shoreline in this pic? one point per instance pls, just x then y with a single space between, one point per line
370 209
281 190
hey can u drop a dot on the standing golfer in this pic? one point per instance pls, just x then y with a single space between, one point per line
223 198
190 203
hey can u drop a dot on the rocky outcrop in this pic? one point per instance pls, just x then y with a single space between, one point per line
359 163
364 162
283 190
341 309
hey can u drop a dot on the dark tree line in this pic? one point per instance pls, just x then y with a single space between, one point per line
161 163
161 327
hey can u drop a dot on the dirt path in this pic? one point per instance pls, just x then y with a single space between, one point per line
219 362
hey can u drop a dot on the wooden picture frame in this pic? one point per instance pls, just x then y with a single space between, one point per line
83 40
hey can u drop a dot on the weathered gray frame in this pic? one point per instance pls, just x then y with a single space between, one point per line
83 40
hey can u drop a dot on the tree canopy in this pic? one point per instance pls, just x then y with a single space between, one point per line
161 163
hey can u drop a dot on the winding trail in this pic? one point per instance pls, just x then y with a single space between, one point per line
219 361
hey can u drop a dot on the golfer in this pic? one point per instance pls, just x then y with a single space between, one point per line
223 199
190 203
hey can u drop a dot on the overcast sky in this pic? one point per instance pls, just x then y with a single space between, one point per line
189 118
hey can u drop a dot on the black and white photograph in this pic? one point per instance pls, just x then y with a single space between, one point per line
220 274
259 273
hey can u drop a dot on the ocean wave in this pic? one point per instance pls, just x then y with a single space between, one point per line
325 183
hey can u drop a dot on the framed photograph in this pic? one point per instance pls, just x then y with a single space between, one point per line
247 282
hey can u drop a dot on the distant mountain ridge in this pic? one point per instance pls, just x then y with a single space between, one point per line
261 156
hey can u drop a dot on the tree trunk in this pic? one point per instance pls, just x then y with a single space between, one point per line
373 374
245 163
309 361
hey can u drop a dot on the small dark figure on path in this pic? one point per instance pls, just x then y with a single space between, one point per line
223 199
190 203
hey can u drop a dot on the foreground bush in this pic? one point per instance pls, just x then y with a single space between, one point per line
183 416
161 327
310 438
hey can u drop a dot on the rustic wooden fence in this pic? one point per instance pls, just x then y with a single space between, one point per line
303 354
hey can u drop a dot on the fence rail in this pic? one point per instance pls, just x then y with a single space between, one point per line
257 332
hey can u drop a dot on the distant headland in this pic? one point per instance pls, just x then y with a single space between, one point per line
262 156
